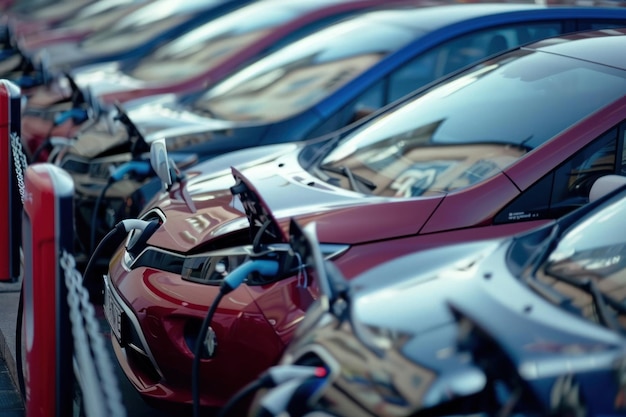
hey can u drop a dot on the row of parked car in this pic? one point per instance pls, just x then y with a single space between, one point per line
347 207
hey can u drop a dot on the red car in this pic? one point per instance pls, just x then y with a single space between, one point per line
191 62
498 148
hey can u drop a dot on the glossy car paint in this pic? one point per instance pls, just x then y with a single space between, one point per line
190 130
166 116
116 80
203 215
432 310
26 17
300 19
154 26
167 20
15 64
91 18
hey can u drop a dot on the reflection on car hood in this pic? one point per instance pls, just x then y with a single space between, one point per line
473 282
105 78
473 276
58 56
288 192
161 117
419 306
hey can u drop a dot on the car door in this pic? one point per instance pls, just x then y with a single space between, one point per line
567 187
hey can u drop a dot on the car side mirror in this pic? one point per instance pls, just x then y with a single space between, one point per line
605 185
362 113
160 162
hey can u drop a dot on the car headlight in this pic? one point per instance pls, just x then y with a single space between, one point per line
211 267
208 268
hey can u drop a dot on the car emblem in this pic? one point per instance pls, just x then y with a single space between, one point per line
210 343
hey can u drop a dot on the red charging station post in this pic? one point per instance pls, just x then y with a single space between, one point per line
46 337
10 213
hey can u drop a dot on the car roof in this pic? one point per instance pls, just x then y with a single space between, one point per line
601 46
438 16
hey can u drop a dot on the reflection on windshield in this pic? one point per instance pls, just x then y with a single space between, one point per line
470 128
143 25
290 91
301 74
210 44
186 62
588 267
130 36
99 15
403 170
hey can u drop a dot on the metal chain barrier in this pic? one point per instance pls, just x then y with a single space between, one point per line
94 369
19 163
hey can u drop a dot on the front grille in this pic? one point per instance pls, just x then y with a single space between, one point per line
139 361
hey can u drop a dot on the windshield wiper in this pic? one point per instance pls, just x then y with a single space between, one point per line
204 111
356 181
601 301
540 254
535 260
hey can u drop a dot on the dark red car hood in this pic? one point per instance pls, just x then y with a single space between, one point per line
205 211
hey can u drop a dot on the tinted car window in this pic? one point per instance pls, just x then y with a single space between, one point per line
210 44
573 180
597 25
301 74
445 58
592 257
465 50
97 15
566 187
144 24
472 127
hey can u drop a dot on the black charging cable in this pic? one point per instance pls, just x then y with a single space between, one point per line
230 282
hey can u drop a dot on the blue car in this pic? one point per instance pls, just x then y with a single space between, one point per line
531 325
305 90
328 79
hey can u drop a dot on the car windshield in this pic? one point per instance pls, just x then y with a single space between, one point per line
210 44
97 15
587 267
472 126
48 10
143 25
302 73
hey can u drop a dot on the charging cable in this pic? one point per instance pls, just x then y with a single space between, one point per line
139 168
230 282
78 116
28 81
289 377
110 242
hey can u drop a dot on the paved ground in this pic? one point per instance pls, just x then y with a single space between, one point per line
11 404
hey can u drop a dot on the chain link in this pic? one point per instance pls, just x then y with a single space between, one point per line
99 385
19 164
